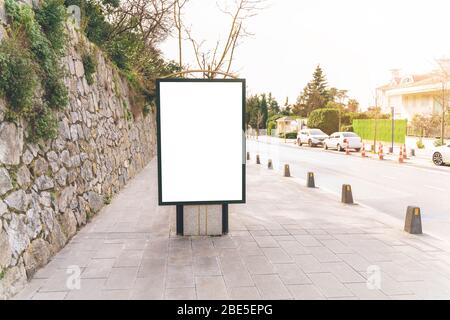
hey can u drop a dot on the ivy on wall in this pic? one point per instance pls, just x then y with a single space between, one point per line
30 65
90 66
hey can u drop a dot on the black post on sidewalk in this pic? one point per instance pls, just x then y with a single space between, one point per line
180 222
224 218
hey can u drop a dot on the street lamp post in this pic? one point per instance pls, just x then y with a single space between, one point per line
393 127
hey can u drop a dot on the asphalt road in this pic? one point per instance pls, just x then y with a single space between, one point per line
386 186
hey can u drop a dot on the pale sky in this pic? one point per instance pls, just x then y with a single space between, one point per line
356 42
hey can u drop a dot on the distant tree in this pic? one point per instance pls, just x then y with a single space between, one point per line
299 108
287 109
376 113
264 110
341 96
257 112
272 105
423 125
259 121
335 105
252 106
315 95
442 74
352 105
333 93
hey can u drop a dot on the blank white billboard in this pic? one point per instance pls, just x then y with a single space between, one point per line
201 141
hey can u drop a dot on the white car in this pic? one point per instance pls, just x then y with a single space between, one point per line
312 137
340 141
441 155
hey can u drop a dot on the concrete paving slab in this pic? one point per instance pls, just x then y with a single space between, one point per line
290 274
121 278
305 292
271 287
329 285
211 288
180 276
98 268
244 293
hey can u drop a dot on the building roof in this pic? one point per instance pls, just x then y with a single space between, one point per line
411 81
285 119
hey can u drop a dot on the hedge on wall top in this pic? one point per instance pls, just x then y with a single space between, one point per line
18 78
381 129
326 119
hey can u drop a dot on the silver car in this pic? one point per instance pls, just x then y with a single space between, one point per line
342 140
312 137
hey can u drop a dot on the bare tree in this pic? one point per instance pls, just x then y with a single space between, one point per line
219 59
259 122
442 74
177 18
151 17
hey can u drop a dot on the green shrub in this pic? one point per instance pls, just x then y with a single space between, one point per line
420 144
326 119
18 78
51 73
271 125
29 61
51 16
289 135
438 143
44 125
347 128
94 23
90 66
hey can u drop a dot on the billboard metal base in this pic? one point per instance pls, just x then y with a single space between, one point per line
206 220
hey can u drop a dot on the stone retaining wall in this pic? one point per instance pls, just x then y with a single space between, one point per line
50 189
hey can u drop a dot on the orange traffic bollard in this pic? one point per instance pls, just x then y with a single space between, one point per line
380 152
363 151
404 152
400 156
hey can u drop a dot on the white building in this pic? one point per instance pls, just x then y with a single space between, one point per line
412 94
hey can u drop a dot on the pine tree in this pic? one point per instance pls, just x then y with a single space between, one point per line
264 109
319 82
257 111
315 95
272 106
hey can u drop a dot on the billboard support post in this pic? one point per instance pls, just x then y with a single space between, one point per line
180 221
225 218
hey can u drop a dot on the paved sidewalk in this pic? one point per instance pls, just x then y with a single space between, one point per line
287 242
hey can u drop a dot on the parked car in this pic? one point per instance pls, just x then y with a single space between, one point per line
441 155
312 137
340 140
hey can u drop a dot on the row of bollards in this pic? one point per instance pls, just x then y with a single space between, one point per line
413 220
